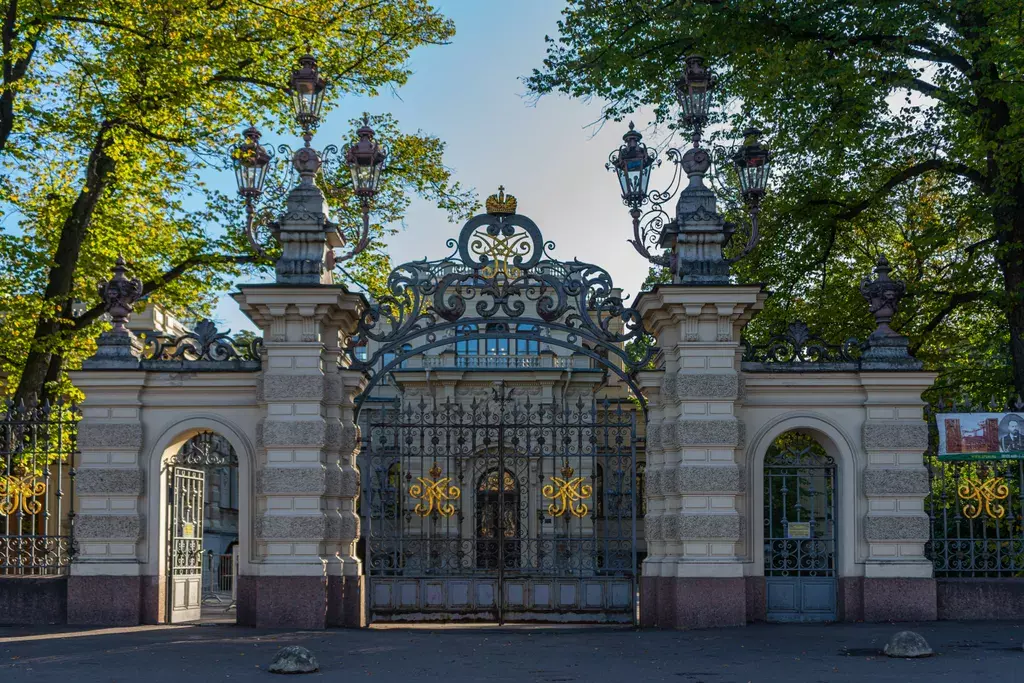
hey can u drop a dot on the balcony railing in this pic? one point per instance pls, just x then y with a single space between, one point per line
478 362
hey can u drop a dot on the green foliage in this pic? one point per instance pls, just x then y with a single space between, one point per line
899 129
113 112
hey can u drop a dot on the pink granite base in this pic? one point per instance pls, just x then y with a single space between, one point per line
34 600
345 606
851 599
283 601
104 600
757 596
649 602
710 603
154 599
900 600
666 601
980 598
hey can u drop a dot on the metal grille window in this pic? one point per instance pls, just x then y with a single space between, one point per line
37 449
977 518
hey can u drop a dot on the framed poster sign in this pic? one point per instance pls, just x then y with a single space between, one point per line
981 436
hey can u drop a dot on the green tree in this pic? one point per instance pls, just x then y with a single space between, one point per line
111 111
899 128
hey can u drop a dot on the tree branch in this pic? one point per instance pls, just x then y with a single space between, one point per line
955 302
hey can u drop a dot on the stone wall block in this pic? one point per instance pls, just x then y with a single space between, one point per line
120 481
301 480
886 435
893 481
343 483
108 527
652 527
293 387
901 528
724 527
343 526
709 432
307 433
687 387
717 479
97 435
292 527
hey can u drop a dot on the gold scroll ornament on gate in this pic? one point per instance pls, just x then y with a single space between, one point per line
433 494
567 494
21 493
984 494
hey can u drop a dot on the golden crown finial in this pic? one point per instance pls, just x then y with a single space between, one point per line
435 471
501 205
567 470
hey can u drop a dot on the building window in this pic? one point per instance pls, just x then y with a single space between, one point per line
527 347
465 346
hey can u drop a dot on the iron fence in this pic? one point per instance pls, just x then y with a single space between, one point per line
977 518
37 449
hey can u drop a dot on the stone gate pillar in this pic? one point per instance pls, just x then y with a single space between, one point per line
106 584
696 511
306 480
306 521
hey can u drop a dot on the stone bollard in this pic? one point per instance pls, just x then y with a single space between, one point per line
908 644
294 660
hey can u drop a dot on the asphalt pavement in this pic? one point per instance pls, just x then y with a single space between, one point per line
762 653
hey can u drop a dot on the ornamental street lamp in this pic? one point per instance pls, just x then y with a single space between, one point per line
697 233
693 92
251 161
632 163
366 160
307 91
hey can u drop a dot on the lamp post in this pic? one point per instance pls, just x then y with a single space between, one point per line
696 235
366 160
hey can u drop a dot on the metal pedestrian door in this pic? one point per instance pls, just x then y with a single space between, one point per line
186 546
501 509
799 530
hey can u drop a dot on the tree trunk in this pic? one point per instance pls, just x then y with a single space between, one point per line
1013 280
60 285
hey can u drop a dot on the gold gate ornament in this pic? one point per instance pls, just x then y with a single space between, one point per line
568 494
986 492
432 494
21 493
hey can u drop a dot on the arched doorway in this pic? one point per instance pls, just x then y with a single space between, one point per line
202 530
799 530
498 523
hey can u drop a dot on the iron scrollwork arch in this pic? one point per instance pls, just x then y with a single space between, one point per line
500 269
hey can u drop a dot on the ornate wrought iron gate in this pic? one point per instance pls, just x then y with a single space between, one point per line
501 509
186 560
799 531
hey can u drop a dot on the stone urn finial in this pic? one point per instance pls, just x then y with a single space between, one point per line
883 295
119 294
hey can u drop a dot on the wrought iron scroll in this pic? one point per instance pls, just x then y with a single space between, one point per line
37 449
205 343
797 345
206 450
500 269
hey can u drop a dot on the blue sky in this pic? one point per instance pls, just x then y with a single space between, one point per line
470 95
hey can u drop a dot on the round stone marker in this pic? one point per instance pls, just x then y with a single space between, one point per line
908 644
294 660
